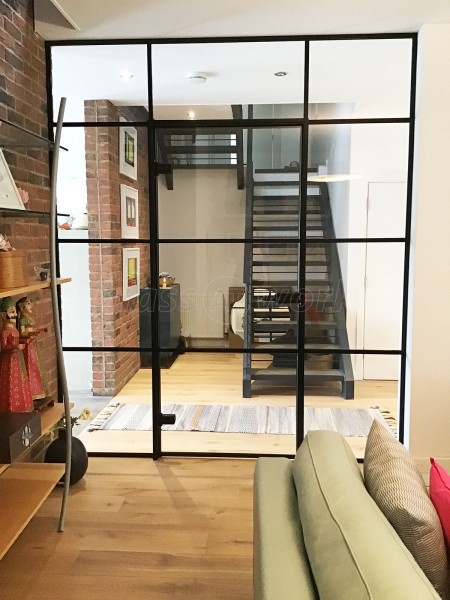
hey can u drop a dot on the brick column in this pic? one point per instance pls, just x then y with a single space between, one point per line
113 321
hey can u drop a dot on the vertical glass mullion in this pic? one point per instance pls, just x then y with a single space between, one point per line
300 392
404 339
154 264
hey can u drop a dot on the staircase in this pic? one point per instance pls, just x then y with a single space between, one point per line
271 284
271 269
210 149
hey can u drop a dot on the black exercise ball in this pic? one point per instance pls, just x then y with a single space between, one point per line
56 453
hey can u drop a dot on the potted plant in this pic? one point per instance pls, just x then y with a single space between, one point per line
56 452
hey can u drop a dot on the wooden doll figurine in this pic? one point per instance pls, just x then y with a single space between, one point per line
28 334
15 393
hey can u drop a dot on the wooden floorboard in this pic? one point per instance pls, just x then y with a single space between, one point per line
175 529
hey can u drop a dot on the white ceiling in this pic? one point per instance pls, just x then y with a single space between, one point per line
182 18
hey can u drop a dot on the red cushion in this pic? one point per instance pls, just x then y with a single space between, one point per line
440 496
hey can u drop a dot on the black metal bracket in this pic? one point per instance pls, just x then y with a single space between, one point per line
163 168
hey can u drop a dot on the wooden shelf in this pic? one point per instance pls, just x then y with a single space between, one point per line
3 468
23 489
13 136
32 287
50 415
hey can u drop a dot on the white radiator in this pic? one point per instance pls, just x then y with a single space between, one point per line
202 315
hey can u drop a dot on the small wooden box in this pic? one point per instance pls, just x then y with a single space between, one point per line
18 431
12 270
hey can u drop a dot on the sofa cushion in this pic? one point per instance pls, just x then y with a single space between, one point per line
354 552
440 496
281 568
395 483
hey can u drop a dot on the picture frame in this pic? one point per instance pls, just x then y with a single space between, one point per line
129 212
131 273
128 151
9 194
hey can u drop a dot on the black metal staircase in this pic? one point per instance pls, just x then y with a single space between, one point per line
208 149
271 274
271 269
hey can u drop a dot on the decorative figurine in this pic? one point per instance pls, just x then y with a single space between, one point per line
28 335
15 393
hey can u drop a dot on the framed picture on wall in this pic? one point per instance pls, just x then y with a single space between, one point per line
131 264
9 194
128 152
129 212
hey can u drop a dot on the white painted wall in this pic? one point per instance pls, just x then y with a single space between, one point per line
428 356
76 309
203 204
379 154
71 189
376 154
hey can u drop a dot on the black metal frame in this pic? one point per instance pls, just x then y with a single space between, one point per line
154 126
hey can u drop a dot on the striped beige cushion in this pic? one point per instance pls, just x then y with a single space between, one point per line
395 483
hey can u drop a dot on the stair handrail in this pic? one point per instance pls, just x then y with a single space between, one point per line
338 289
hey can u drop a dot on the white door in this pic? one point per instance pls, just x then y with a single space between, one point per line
384 279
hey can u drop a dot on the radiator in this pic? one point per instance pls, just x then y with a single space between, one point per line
202 315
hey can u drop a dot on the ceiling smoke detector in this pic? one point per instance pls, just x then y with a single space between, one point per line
197 77
280 74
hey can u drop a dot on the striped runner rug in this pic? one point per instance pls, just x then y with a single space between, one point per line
350 422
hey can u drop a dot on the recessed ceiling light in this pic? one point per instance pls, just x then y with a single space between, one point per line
126 75
191 114
197 77
280 74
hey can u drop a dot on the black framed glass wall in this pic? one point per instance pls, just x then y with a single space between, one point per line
330 127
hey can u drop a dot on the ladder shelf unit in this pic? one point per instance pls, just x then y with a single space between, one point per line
24 486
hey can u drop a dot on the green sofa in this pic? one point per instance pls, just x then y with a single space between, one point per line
319 534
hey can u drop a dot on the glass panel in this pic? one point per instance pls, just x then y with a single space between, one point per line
228 80
101 83
103 183
354 296
360 173
346 392
102 304
360 78
228 295
208 281
214 414
113 393
229 183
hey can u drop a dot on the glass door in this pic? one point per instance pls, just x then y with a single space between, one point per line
227 119
228 273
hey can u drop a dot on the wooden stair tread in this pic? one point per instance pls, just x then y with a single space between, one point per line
23 489
277 326
285 372
272 346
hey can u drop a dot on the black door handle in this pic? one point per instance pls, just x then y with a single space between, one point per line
166 419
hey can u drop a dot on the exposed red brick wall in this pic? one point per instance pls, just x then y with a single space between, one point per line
23 101
114 322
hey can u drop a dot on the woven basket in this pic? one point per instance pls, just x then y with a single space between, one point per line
12 270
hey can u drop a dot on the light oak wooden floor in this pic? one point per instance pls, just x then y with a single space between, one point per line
177 529
217 379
